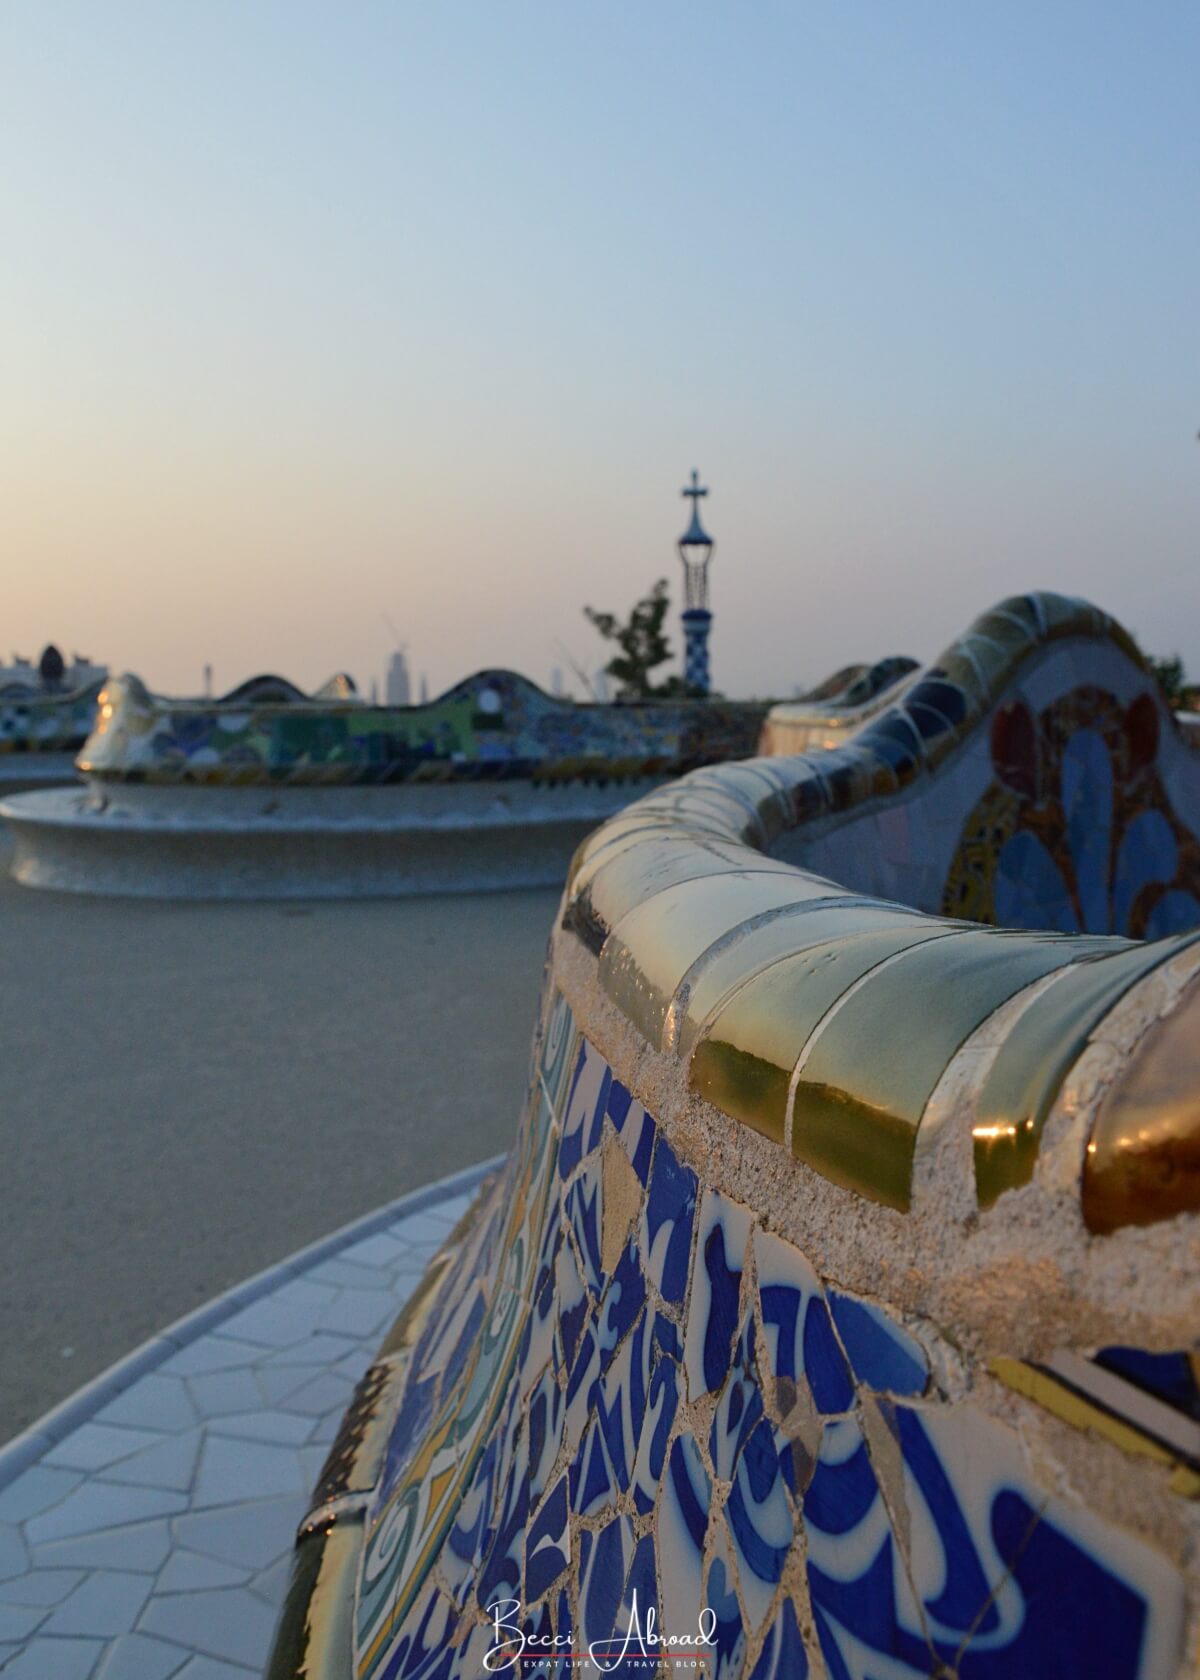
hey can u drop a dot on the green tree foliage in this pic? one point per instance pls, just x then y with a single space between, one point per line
642 647
1171 678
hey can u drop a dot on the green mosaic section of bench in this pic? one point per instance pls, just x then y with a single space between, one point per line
494 726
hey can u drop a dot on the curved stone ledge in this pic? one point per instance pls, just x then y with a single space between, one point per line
833 710
842 1282
266 793
221 842
824 1013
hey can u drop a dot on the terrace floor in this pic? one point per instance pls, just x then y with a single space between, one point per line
146 1528
191 1092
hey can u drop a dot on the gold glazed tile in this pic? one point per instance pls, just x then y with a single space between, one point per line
643 823
717 812
724 968
759 792
744 1061
1143 1157
725 801
874 1065
1075 1408
651 949
673 960
642 871
314 1636
1035 1057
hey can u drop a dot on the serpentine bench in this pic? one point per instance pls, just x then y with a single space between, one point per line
830 713
40 732
836 1310
270 793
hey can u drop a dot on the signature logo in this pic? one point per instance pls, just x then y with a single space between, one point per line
510 1642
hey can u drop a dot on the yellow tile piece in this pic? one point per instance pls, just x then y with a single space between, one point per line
314 1636
744 1060
873 1066
620 1202
728 967
642 870
1034 1059
1143 1157
651 949
1074 1409
1185 1482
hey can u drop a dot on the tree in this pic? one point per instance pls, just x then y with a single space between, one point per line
643 647
1171 678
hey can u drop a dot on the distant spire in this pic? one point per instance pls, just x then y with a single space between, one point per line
695 551
695 532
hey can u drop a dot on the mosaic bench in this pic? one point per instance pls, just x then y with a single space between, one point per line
830 713
268 793
41 733
836 1310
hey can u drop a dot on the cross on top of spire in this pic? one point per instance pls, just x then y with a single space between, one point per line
695 536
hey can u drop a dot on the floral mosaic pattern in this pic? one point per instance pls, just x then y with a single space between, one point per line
492 727
1077 832
630 1391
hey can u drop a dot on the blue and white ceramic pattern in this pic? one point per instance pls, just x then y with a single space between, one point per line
661 1418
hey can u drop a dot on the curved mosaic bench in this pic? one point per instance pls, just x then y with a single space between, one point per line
40 733
837 1304
267 793
828 714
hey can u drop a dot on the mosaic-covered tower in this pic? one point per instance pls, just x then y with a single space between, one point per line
696 550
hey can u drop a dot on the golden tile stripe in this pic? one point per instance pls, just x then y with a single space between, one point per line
1020 1088
1143 1157
314 1635
745 1059
1076 1409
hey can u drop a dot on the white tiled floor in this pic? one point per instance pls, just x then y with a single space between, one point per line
153 1541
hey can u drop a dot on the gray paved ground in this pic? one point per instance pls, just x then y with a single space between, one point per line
189 1092
153 1541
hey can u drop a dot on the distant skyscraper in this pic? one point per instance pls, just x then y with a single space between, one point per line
600 686
424 689
556 682
398 691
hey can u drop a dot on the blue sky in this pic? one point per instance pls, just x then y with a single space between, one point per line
310 313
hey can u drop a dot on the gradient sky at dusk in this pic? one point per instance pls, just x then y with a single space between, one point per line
312 313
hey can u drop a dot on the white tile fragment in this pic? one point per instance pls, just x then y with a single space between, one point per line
55 1659
231 1624
135 1656
98 1505
105 1604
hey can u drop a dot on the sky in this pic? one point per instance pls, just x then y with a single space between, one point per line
316 316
